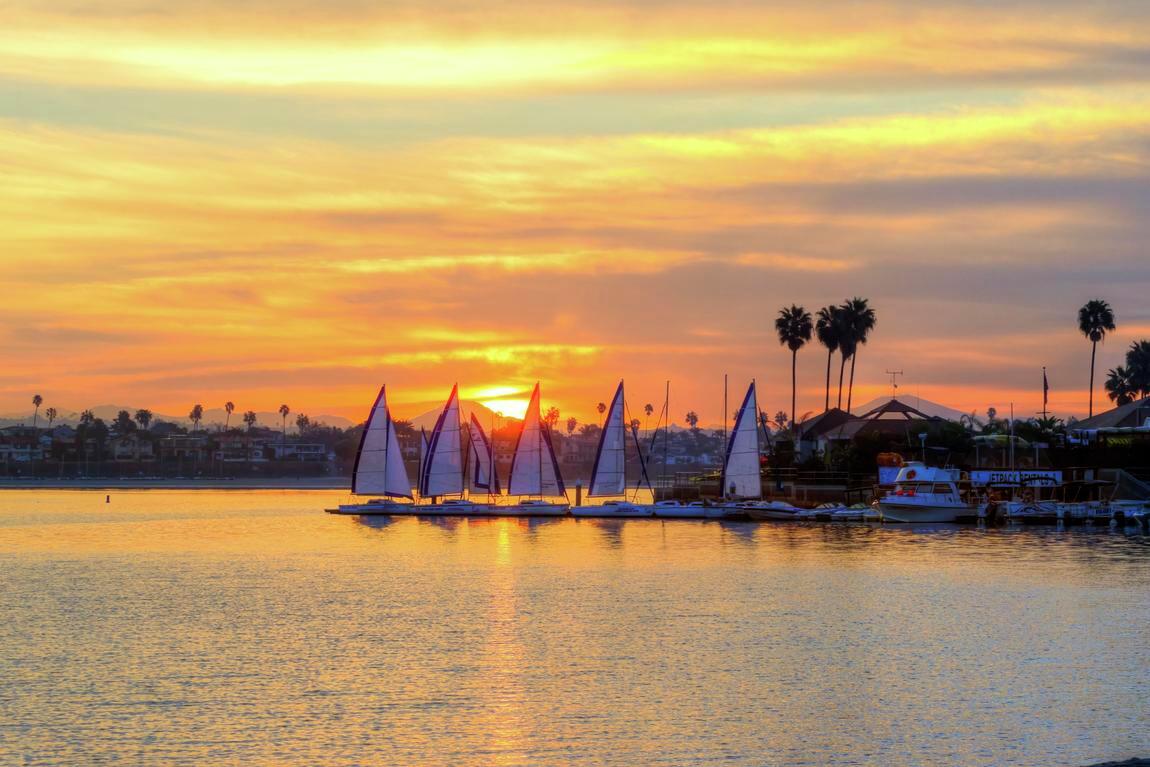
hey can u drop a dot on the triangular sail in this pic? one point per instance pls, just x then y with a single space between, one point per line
608 476
443 465
534 468
379 468
741 472
483 476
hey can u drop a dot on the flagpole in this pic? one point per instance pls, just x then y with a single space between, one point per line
1045 392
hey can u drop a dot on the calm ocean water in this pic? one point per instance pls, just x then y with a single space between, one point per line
178 628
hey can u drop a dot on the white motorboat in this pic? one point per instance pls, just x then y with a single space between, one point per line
927 494
772 510
691 510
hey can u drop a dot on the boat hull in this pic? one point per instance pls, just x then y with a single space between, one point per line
898 512
614 511
533 509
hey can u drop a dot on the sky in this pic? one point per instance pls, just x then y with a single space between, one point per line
295 202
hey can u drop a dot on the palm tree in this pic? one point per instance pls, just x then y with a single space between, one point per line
551 417
794 328
196 416
692 419
37 400
144 418
1138 365
229 408
1095 319
285 411
828 327
858 321
1119 387
50 414
250 419
571 424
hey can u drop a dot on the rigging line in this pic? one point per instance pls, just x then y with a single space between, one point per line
639 451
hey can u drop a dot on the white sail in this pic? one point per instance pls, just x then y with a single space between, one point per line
443 465
482 477
741 472
379 468
534 470
608 477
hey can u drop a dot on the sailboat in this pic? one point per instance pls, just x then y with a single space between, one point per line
482 476
608 475
740 483
535 472
379 470
442 473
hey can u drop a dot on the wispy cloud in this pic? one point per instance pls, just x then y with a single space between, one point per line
211 199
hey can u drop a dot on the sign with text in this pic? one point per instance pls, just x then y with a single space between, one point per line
1023 477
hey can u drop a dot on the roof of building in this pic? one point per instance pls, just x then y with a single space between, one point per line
1131 414
893 409
815 427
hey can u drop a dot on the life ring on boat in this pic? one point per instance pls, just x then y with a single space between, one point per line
912 474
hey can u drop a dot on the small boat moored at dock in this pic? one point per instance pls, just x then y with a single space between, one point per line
927 494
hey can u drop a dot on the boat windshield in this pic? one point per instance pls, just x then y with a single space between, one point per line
923 488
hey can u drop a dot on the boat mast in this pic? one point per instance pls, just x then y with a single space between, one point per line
666 434
386 444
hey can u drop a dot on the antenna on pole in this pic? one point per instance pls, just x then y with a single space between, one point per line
894 374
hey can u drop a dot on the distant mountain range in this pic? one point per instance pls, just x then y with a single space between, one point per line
485 415
212 417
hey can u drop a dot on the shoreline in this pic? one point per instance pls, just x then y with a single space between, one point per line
154 483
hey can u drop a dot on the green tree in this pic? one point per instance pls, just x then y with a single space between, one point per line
250 419
302 422
828 329
50 414
571 424
692 420
37 400
144 418
794 326
1095 320
858 320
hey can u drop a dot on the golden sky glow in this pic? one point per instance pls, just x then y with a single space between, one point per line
269 202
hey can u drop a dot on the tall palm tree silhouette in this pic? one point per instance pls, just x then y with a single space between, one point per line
828 329
1095 320
858 320
793 326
